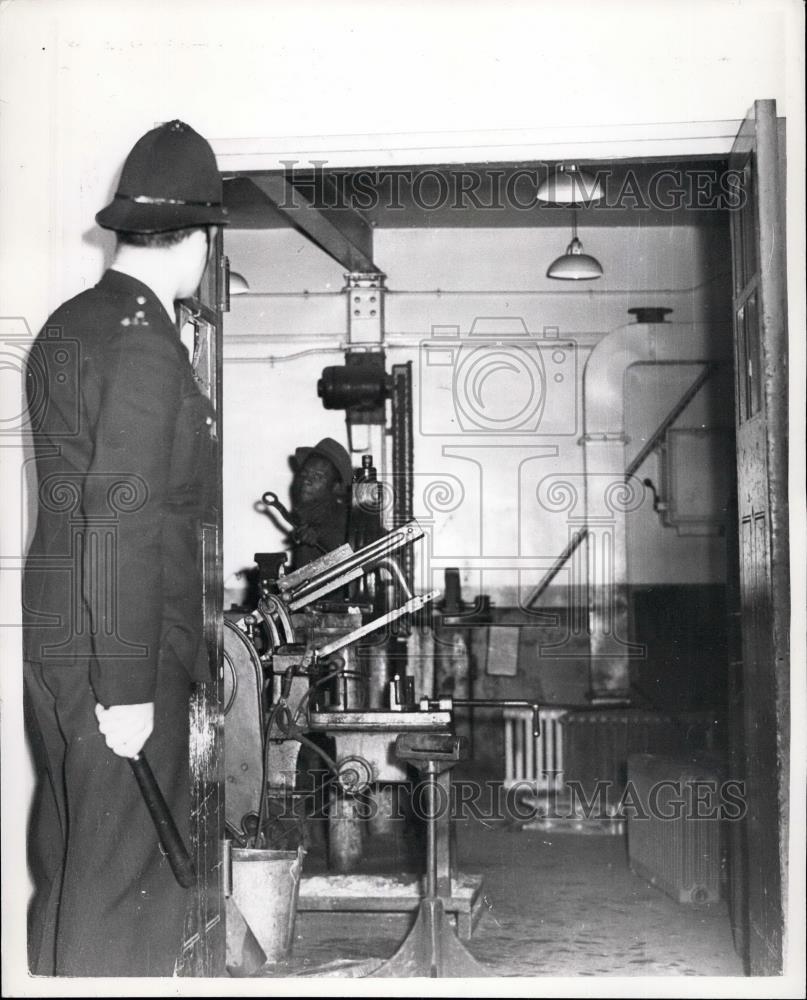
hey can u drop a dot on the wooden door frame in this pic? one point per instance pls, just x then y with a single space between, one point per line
761 286
656 140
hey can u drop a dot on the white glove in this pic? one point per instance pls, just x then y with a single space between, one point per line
126 727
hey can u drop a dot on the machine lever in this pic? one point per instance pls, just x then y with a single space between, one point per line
411 606
341 566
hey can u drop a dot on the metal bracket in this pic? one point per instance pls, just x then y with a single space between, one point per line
365 307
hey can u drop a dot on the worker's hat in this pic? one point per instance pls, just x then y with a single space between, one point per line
334 452
169 181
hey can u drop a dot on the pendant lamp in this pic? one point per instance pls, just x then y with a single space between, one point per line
575 265
568 185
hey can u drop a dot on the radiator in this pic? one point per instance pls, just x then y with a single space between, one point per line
599 741
537 760
680 855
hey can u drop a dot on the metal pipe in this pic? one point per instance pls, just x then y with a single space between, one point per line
431 838
508 750
552 572
503 703
395 570
553 292
403 457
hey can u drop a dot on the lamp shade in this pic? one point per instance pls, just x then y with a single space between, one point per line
575 265
238 283
569 186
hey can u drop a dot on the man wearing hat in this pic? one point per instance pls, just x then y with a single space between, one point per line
112 588
320 499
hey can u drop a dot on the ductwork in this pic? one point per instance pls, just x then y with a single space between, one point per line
610 495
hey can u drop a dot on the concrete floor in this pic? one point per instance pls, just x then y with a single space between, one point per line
560 904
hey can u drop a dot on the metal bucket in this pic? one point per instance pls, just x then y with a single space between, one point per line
263 889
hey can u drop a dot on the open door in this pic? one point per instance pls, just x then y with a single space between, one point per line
760 726
203 940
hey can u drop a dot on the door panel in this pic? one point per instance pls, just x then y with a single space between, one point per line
761 711
203 944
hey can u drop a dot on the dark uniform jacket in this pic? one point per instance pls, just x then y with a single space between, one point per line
124 465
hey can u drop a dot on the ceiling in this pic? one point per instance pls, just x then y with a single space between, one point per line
488 195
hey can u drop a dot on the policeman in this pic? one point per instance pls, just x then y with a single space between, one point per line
113 588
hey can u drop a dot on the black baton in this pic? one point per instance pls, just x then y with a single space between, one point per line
181 864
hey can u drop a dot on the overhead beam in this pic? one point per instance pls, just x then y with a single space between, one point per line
340 231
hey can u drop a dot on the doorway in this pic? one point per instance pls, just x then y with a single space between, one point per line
268 336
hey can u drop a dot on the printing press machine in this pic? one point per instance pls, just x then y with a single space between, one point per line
295 670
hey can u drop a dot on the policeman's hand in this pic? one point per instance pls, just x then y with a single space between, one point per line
126 727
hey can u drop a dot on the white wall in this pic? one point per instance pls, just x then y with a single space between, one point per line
82 79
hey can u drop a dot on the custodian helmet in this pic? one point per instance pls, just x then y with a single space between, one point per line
169 181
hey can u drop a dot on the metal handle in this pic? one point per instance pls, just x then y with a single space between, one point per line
172 844
270 499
